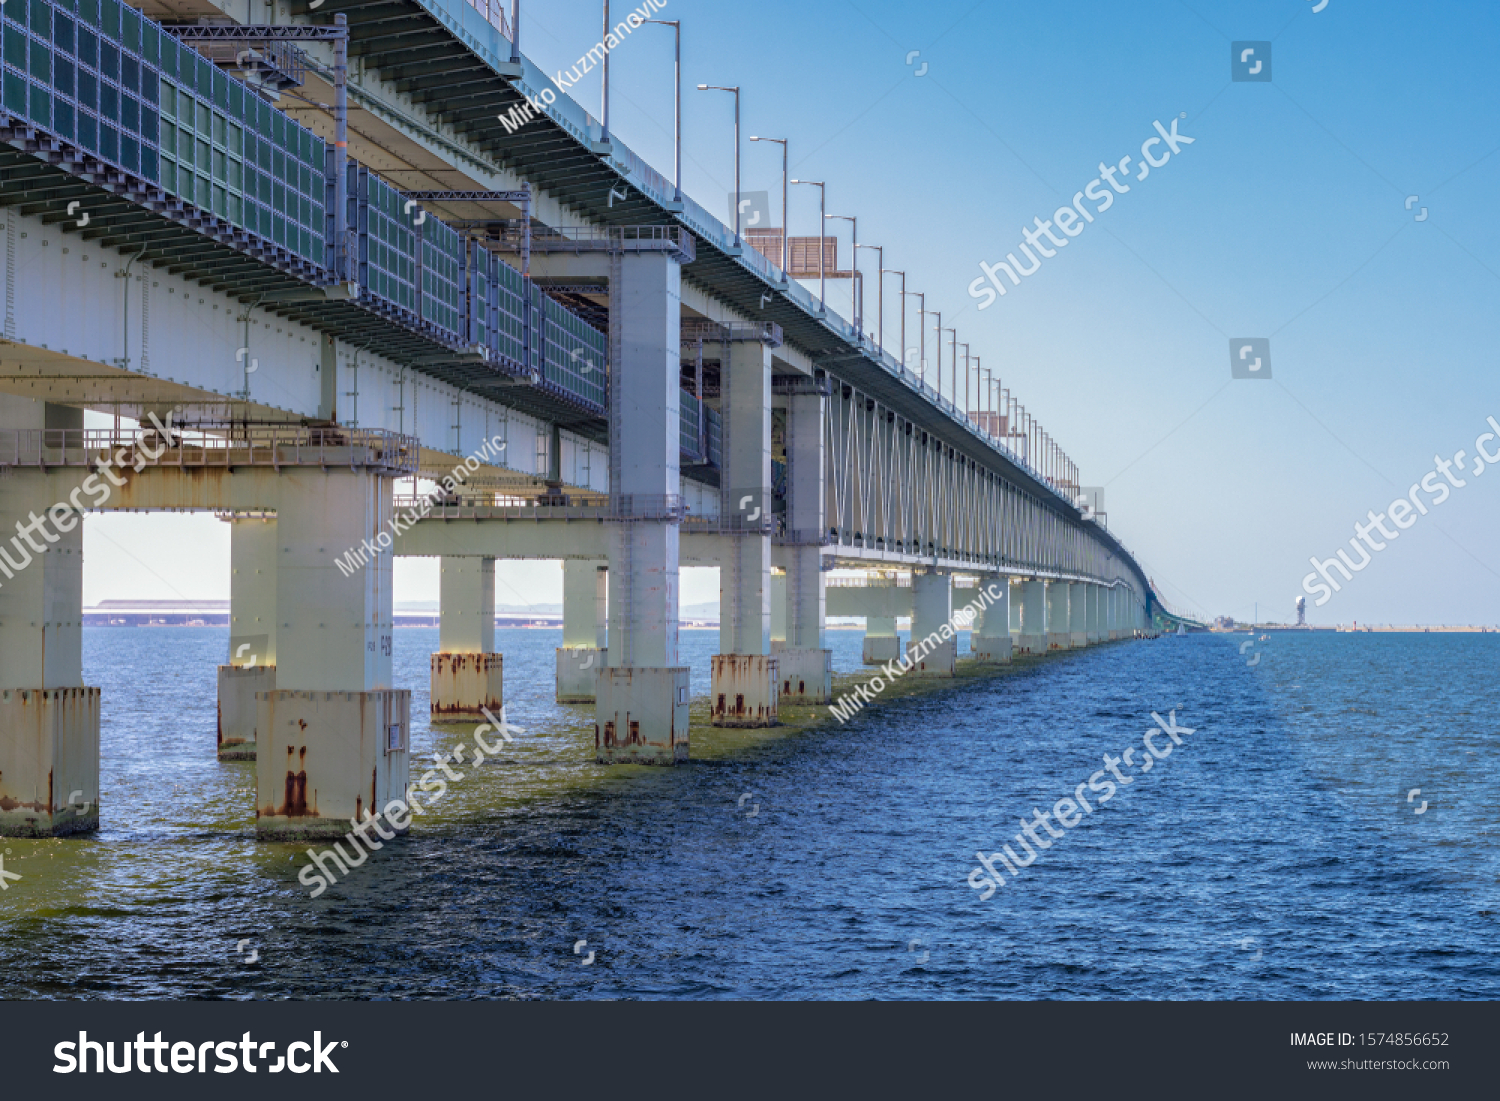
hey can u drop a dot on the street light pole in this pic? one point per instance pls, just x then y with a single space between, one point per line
857 290
736 91
604 91
892 271
939 315
822 220
785 217
879 294
676 25
922 336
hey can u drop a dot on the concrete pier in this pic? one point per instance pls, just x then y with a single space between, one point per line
882 643
990 639
746 687
806 662
585 630
49 721
1095 594
1031 638
1078 615
468 676
1058 636
933 648
641 702
333 737
251 664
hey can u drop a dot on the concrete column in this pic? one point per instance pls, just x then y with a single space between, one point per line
641 697
1032 636
251 665
991 637
933 648
806 662
1096 631
1058 637
468 676
333 738
49 722
585 628
1078 614
882 644
778 611
746 683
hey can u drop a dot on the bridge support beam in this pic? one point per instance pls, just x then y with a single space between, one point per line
641 697
746 685
806 662
990 639
1078 614
333 737
881 644
933 648
468 676
252 633
49 722
585 630
1031 638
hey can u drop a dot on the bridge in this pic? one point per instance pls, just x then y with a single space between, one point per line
301 265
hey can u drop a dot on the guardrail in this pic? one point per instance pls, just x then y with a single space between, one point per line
142 448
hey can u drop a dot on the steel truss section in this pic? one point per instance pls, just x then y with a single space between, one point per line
894 491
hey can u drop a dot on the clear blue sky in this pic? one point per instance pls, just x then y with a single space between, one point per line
1285 219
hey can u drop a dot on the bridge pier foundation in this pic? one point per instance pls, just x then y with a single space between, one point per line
806 664
251 668
990 639
881 644
585 630
641 697
933 648
333 737
1031 635
468 676
49 722
1078 614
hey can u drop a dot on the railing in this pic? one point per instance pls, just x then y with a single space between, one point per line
662 508
140 448
494 12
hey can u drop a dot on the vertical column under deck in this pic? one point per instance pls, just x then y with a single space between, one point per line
333 737
933 648
251 665
641 701
49 721
806 662
583 652
990 639
1032 636
468 676
1058 637
746 687
1078 615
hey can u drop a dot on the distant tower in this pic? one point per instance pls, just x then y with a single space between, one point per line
1302 611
